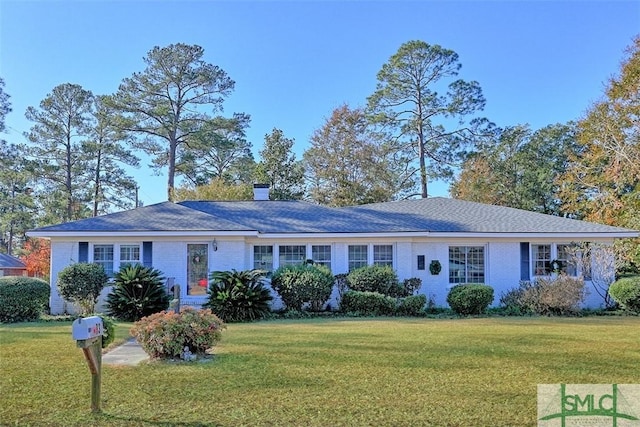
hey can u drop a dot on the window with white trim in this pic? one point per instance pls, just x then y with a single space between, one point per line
358 256
129 254
113 257
383 255
466 264
103 255
543 254
292 254
263 258
321 254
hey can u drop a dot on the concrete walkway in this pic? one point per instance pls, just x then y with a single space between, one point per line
128 354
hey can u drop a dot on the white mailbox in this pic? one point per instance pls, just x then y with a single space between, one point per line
86 328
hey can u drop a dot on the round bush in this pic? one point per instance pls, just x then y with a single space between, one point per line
301 284
472 298
412 305
239 296
165 335
626 292
138 291
22 299
82 283
374 278
368 303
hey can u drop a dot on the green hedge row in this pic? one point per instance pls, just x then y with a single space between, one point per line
23 299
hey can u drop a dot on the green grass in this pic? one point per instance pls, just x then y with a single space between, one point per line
329 372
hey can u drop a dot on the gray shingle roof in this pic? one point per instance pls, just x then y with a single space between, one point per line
165 216
7 261
419 215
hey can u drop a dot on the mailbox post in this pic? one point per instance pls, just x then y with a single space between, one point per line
87 331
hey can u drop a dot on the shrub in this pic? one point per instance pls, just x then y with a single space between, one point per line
301 284
165 335
82 283
368 303
546 296
138 291
626 292
412 305
410 286
22 299
109 330
237 296
471 298
374 278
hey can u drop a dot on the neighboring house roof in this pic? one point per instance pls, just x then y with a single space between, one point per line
430 216
8 261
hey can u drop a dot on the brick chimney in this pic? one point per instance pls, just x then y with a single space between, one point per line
260 191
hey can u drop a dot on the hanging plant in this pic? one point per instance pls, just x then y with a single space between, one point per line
435 267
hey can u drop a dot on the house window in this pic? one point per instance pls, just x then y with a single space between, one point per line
358 256
421 262
321 254
568 256
103 255
383 255
466 264
292 254
541 256
129 254
263 258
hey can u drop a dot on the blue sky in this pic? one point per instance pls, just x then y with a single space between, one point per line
293 62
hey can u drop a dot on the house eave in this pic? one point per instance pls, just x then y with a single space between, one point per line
139 233
474 235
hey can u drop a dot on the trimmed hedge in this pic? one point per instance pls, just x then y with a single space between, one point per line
368 303
626 292
303 284
374 278
22 299
412 305
471 298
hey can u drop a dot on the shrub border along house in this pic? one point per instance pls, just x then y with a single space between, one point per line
504 245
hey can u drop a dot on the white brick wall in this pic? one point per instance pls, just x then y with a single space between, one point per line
169 256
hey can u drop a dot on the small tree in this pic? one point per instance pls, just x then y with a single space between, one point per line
81 283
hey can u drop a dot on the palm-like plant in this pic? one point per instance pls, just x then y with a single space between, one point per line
138 291
237 296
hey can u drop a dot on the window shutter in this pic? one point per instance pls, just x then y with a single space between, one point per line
83 251
524 261
147 254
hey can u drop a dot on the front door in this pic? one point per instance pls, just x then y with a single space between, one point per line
197 268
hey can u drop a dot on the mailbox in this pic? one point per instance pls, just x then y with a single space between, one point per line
86 328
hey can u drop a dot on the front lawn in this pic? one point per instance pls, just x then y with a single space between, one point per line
331 372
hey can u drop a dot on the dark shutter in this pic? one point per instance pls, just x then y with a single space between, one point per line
83 251
524 261
147 254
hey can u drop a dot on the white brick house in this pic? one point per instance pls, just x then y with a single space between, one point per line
186 241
